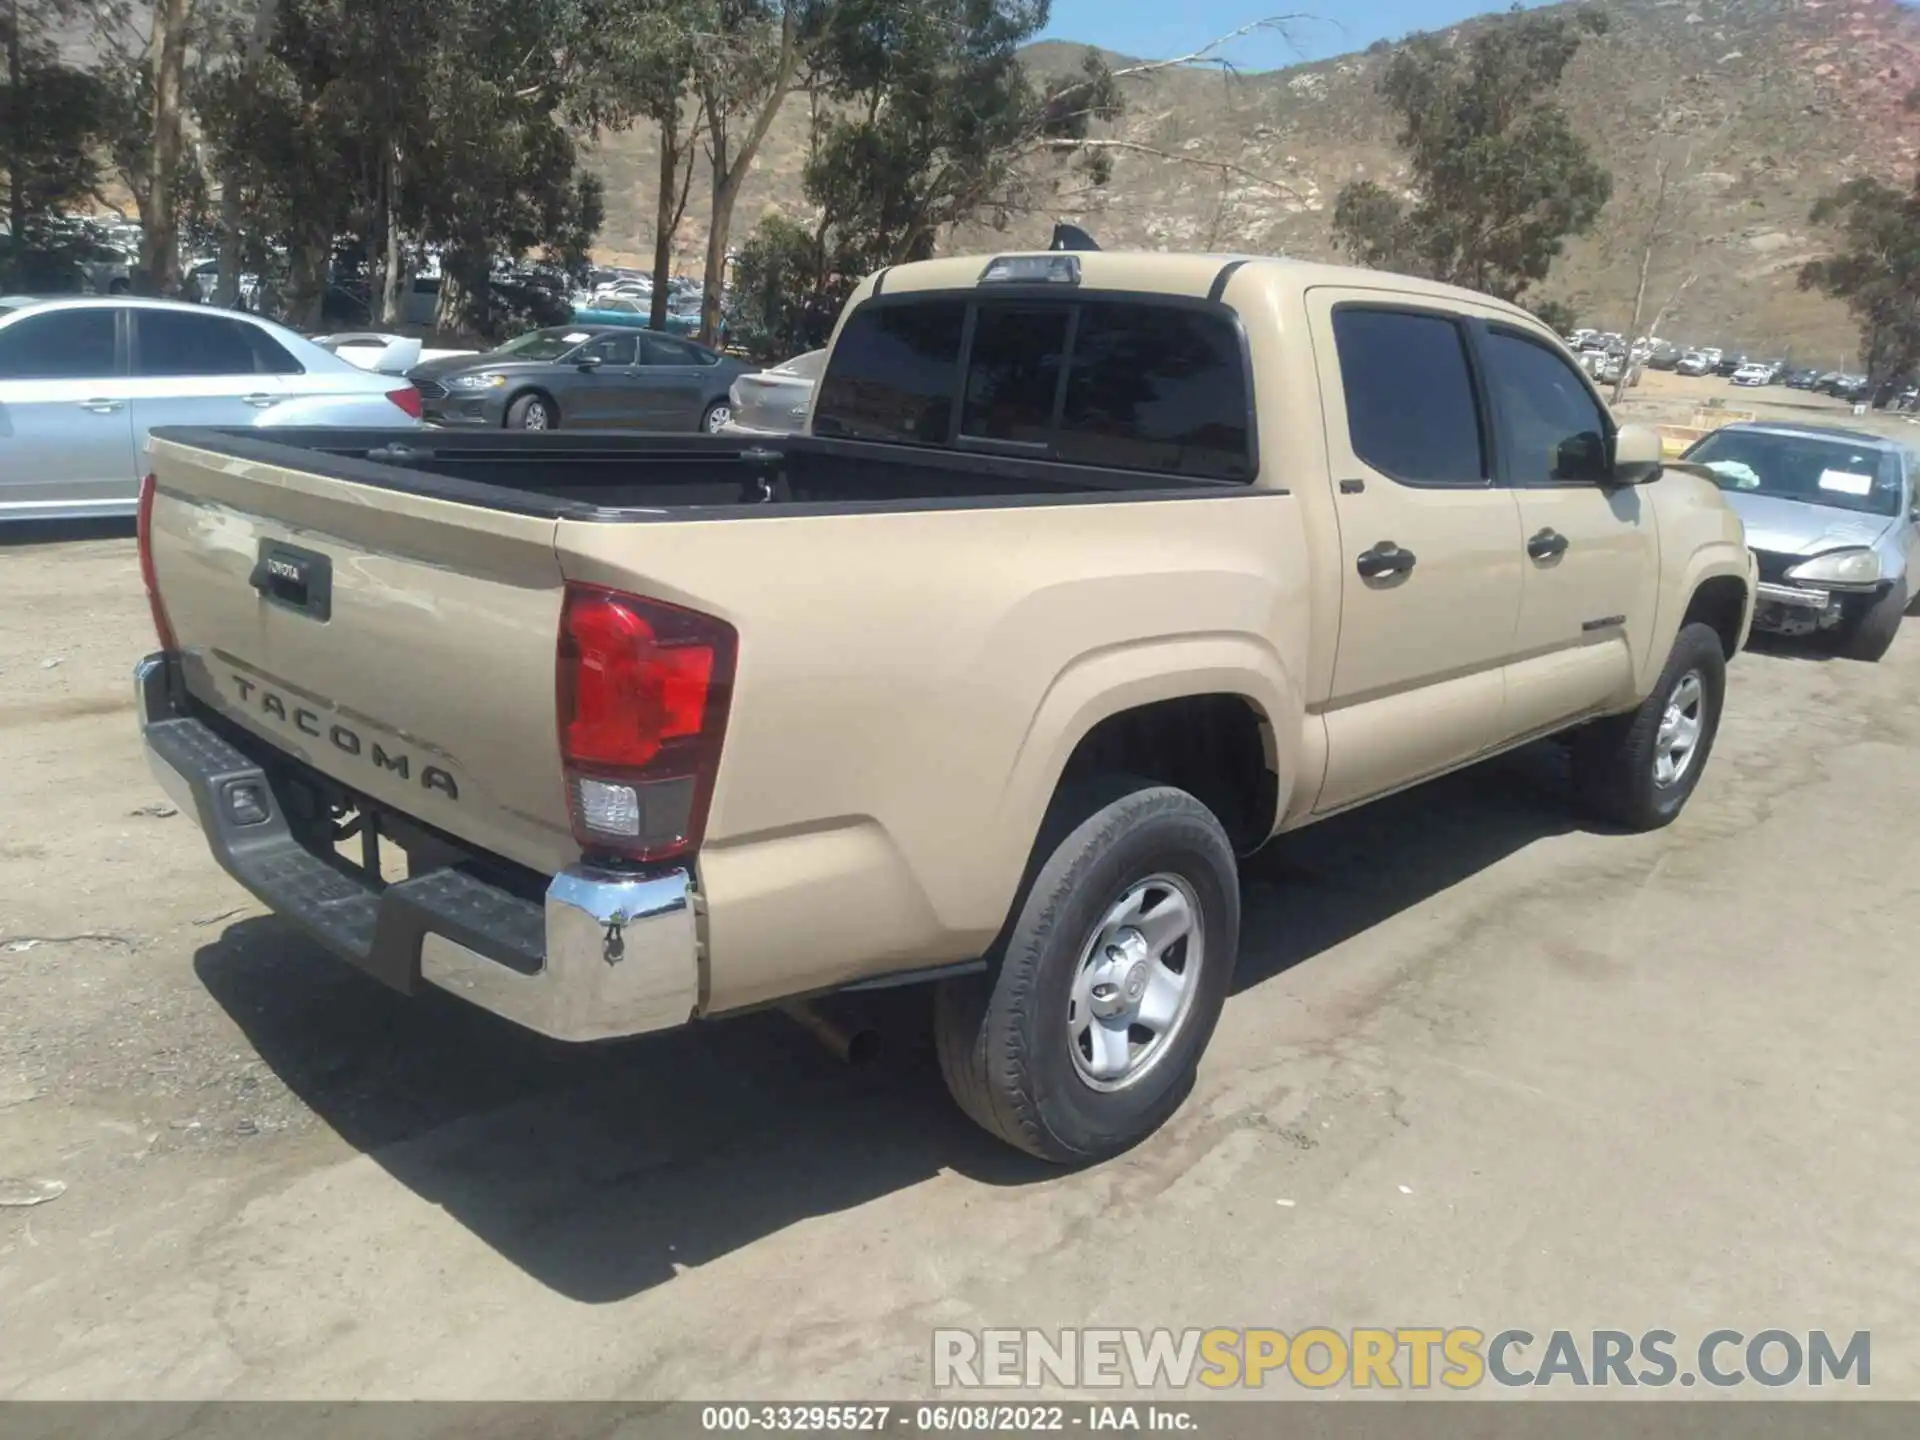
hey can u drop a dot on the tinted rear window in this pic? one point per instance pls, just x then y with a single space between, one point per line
1013 373
1147 386
892 374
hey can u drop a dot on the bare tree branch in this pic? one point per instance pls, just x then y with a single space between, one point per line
1208 54
1135 147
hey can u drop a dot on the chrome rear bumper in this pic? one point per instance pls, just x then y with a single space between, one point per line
606 953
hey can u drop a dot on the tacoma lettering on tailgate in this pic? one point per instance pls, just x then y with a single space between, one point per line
343 738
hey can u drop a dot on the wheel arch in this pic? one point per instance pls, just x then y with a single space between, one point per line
1722 603
1150 709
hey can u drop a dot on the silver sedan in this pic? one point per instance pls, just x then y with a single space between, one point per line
1833 518
82 381
775 401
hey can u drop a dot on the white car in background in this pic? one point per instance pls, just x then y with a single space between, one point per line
82 381
383 353
1754 373
775 401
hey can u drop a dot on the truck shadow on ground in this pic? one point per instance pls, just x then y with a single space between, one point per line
603 1171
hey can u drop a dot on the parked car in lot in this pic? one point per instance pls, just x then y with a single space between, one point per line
582 377
1754 373
1800 379
82 381
1727 366
1696 362
1831 519
985 681
634 313
204 278
383 351
775 401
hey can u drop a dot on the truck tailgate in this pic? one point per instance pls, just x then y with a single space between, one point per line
403 644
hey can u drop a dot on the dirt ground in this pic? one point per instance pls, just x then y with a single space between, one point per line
1664 397
1483 1067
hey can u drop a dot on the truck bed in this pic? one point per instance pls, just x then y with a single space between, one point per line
631 476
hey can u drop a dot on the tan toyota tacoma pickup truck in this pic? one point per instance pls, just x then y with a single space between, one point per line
1092 572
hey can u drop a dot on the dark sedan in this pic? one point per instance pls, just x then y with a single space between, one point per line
582 377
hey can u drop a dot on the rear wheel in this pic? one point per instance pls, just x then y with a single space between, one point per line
1872 634
533 412
1087 1033
1638 769
718 416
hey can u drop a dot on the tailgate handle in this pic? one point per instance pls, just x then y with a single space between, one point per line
300 580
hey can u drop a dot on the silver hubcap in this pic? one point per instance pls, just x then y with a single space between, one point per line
1679 737
1135 983
717 417
536 416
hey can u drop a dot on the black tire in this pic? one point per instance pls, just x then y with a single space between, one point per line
1871 634
1003 1038
718 413
1614 760
535 408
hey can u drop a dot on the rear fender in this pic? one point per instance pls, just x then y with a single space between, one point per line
1107 682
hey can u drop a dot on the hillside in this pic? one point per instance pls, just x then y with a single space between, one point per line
1776 101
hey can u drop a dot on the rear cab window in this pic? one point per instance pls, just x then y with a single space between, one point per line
1110 381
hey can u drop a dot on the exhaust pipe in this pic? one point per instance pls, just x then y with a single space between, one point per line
856 1045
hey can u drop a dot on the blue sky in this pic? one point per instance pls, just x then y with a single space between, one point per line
1155 29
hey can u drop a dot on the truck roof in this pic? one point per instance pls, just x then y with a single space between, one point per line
1164 273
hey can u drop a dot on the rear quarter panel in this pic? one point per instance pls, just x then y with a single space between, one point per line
911 684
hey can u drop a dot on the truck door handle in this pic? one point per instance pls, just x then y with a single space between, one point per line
1385 558
259 402
1547 545
102 407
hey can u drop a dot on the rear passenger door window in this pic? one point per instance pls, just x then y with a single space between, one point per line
176 343
1412 414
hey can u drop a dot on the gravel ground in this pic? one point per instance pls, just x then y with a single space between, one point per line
1505 1070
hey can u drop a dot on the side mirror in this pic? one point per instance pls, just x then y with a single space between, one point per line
1638 455
590 362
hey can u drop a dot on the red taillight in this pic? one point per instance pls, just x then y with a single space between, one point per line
408 399
147 577
643 690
